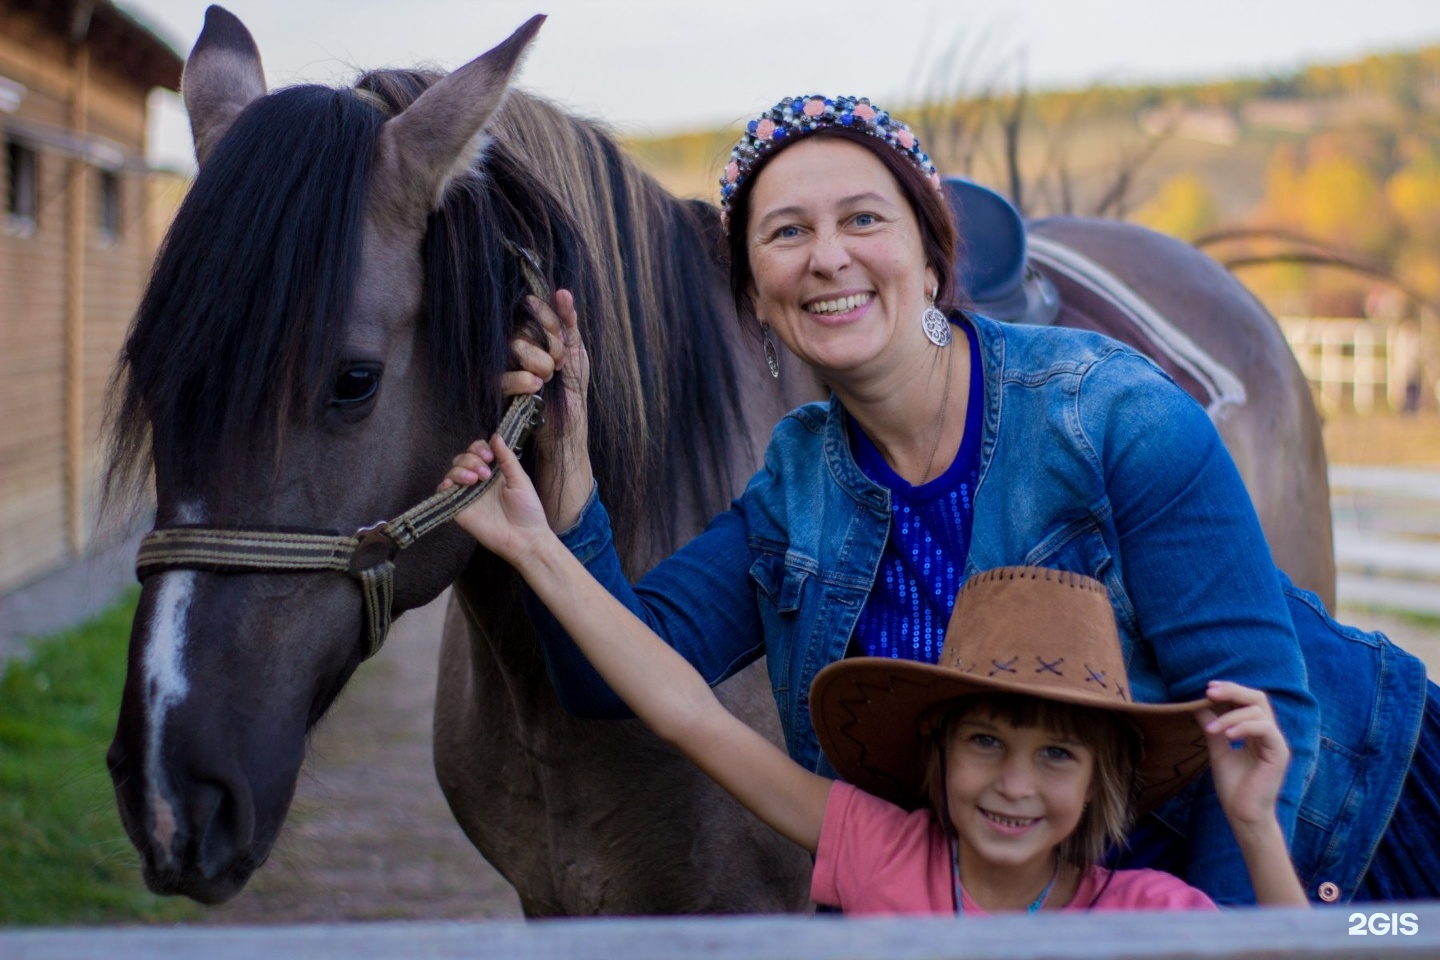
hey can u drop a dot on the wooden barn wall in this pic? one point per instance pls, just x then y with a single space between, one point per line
37 532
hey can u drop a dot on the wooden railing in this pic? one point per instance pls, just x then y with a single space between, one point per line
1359 930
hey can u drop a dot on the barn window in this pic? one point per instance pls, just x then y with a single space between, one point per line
22 195
109 206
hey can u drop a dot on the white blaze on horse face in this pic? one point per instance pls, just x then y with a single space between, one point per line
165 686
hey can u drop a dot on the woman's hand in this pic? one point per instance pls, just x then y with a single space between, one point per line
1248 754
508 520
563 475
538 362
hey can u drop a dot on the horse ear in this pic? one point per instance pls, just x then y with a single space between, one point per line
438 136
222 77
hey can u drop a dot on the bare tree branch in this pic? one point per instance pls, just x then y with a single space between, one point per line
1114 202
1011 124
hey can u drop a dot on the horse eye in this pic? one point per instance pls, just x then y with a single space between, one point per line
355 385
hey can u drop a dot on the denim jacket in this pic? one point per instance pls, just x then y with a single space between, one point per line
1092 460
1372 701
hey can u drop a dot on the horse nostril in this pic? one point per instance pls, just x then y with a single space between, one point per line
116 757
225 821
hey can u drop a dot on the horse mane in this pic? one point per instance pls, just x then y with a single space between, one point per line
655 310
240 323
239 330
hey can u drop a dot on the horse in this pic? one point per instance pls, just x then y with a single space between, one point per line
326 325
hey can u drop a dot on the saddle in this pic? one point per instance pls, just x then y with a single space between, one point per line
1017 277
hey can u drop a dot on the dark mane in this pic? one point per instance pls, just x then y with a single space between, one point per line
240 327
651 301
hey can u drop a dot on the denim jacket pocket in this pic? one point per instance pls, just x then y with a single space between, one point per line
1327 796
781 579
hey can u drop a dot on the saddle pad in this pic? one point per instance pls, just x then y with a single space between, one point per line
1093 298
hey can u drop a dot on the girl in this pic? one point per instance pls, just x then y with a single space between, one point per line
1030 751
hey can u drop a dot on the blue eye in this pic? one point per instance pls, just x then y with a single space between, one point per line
788 232
865 219
1057 753
984 741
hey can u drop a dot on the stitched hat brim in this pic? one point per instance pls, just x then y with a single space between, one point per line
867 713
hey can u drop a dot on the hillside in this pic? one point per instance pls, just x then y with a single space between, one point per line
1345 155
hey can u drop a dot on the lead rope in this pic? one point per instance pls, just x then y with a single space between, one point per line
367 555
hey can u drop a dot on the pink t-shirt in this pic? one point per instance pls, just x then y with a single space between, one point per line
875 858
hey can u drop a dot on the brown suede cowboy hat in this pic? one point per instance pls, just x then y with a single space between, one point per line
1026 630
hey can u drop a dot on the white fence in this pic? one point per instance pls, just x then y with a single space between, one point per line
1387 537
1358 364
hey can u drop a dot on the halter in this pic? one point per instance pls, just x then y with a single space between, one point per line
368 554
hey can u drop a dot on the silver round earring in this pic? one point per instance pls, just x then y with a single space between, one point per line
772 356
935 324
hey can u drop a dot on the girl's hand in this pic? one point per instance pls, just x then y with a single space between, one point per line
508 520
1248 754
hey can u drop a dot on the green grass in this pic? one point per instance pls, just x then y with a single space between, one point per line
64 857
1427 620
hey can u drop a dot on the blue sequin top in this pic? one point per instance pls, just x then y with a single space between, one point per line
923 562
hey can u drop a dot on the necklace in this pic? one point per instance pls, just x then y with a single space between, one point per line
940 420
1035 904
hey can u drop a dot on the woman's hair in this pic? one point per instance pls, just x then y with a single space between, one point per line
1114 741
939 236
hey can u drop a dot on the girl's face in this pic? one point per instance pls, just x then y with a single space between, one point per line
836 258
1014 793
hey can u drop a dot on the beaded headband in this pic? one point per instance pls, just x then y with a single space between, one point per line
797 116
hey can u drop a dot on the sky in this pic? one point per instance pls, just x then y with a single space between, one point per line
652 67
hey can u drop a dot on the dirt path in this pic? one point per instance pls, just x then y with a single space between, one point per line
370 836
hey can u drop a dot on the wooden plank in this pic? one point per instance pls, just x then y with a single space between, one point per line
1237 935
37 473
77 227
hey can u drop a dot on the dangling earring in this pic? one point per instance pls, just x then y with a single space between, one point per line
935 324
772 357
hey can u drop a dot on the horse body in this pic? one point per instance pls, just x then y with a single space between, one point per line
322 374
1272 428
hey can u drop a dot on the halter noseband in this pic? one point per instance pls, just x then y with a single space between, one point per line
368 554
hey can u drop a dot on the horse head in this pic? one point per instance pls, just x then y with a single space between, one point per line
283 372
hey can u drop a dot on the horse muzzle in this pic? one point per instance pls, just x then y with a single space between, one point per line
196 837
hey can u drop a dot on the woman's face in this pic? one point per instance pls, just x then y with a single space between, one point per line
836 258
